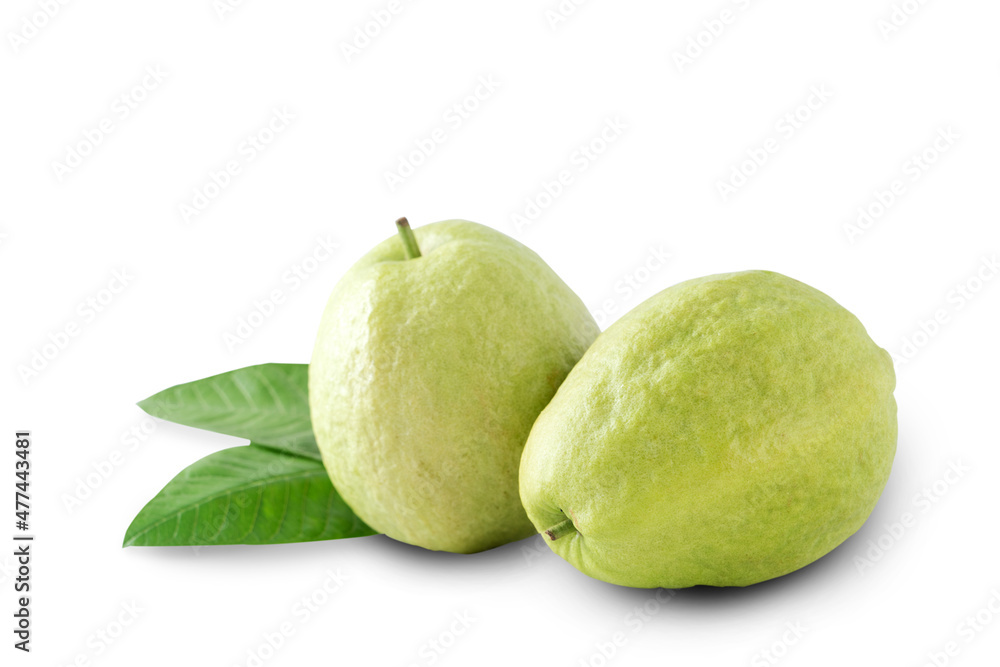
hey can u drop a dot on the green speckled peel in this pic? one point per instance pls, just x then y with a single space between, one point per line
729 430
427 376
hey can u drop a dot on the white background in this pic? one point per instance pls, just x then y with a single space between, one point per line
655 188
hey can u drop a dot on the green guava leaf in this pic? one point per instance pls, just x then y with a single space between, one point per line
246 495
267 404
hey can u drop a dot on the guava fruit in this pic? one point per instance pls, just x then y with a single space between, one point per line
435 354
729 430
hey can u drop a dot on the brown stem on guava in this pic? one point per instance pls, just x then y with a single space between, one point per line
561 529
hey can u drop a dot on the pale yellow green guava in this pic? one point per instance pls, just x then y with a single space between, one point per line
729 430
434 356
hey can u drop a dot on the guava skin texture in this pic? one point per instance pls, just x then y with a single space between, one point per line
427 376
729 430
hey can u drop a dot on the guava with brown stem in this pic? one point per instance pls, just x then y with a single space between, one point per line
729 430
435 354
